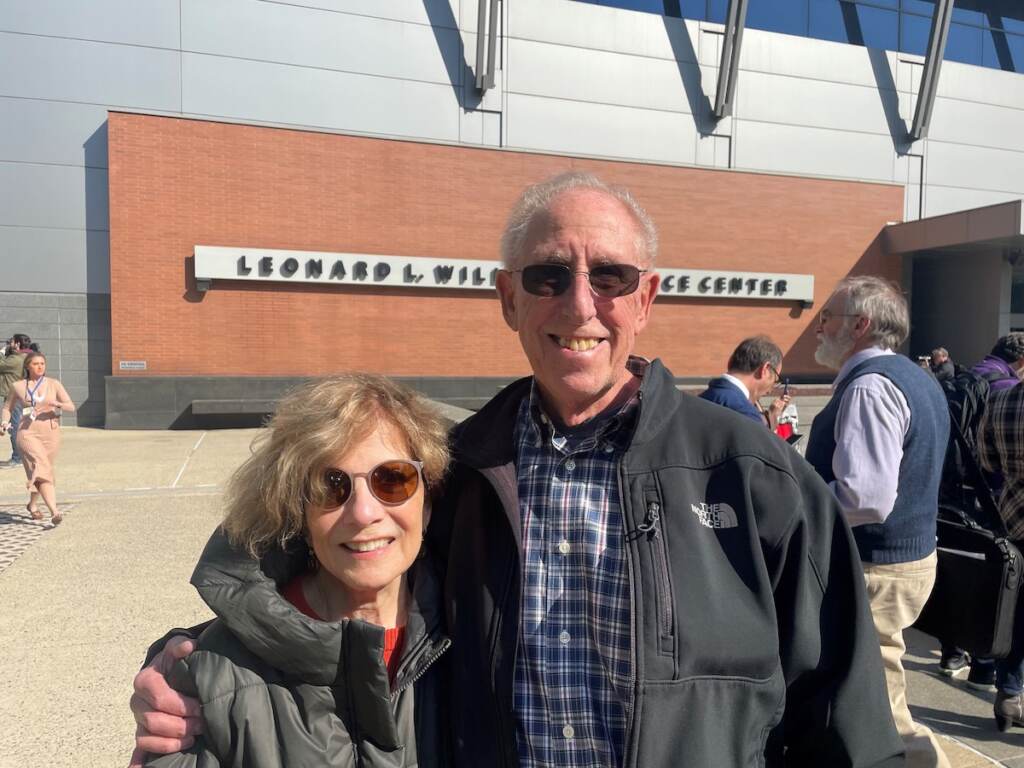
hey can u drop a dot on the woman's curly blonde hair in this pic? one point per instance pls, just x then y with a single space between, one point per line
313 424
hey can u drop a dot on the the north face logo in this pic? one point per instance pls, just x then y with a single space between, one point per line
715 515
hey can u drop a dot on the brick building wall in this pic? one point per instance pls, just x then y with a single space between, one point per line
176 183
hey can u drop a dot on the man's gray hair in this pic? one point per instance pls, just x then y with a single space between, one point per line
880 301
754 352
940 351
537 198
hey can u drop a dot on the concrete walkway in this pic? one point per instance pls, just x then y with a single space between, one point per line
82 601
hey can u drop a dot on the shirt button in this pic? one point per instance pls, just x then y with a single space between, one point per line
563 547
570 465
564 637
568 731
608 447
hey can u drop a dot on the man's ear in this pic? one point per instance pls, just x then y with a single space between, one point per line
647 291
506 286
861 327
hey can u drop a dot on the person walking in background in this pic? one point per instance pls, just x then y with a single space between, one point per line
754 368
12 368
879 444
41 400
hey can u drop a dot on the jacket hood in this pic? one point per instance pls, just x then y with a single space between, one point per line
243 592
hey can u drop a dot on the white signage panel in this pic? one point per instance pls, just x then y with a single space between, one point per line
419 272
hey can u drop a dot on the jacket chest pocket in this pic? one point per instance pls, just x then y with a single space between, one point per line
703 605
655 575
652 538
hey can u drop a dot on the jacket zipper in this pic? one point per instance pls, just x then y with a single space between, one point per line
422 666
663 594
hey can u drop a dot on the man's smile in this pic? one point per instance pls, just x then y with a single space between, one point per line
576 343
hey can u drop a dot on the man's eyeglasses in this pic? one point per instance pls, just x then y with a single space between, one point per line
608 281
775 372
825 315
391 482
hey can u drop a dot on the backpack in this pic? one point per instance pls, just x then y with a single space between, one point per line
964 489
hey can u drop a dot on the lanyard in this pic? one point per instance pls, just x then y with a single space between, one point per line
32 392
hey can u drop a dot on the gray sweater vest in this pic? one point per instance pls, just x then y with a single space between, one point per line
908 533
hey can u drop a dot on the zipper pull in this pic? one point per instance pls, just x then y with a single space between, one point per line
650 522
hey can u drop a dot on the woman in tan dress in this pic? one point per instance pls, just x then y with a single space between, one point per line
42 398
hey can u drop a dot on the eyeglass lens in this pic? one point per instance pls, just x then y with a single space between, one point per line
606 280
390 482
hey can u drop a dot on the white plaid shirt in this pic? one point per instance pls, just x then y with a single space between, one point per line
574 671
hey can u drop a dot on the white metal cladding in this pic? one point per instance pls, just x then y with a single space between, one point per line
421 272
573 78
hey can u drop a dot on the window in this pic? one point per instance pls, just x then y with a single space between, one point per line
988 33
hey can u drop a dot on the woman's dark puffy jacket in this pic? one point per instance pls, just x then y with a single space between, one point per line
280 689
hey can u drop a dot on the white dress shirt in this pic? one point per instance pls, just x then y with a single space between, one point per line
738 384
870 428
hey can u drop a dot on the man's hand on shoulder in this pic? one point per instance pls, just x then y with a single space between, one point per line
166 721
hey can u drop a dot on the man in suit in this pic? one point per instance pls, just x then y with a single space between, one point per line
755 367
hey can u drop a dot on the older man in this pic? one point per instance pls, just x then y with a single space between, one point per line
880 443
635 577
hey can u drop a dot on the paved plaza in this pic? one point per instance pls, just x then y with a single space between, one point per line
82 601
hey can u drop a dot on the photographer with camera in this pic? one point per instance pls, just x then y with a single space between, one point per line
12 369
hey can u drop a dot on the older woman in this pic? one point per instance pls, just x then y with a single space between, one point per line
42 399
328 638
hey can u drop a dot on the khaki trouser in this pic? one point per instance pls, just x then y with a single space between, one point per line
897 594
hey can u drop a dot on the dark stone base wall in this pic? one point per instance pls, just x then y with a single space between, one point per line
73 331
166 402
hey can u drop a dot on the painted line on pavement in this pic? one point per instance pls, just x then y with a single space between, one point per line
189 490
187 458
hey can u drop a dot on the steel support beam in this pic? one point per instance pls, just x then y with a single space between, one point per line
932 64
735 20
486 43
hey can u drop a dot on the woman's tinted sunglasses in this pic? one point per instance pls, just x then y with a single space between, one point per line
391 482
608 281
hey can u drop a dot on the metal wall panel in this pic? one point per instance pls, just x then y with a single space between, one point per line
556 125
981 84
812 151
315 38
982 168
151 23
583 25
250 90
63 196
416 11
970 122
815 103
810 59
599 76
55 259
33 67
939 199
33 131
